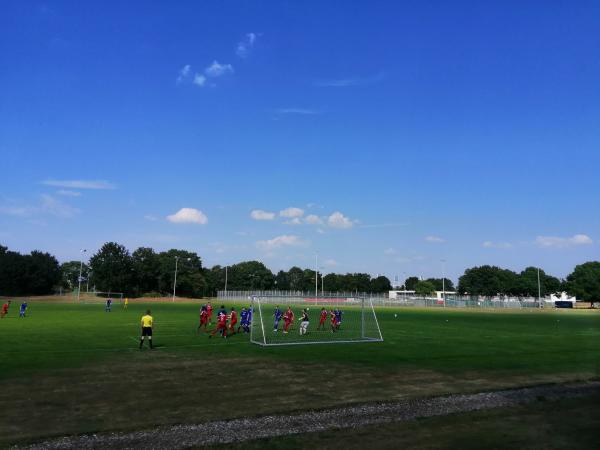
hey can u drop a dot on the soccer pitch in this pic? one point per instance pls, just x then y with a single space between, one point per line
73 368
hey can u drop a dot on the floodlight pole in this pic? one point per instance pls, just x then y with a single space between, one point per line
82 251
539 289
316 275
175 280
444 281
225 281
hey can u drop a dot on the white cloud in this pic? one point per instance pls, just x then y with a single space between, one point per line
338 220
216 70
199 80
188 215
57 208
499 245
300 111
245 45
562 242
348 82
80 184
313 219
291 212
389 251
184 73
150 217
330 263
19 211
67 193
259 214
47 205
279 241
434 239
294 221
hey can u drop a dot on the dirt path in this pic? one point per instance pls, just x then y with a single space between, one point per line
221 432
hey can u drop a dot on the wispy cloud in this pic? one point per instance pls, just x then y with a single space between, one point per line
47 205
338 220
389 251
81 184
259 214
245 46
298 111
384 225
188 215
497 245
151 217
352 81
280 241
563 242
291 212
184 73
216 70
330 263
434 239
199 80
68 193
313 219
57 208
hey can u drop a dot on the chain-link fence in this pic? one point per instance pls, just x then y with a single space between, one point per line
408 300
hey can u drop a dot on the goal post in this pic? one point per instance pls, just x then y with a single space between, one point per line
100 297
330 320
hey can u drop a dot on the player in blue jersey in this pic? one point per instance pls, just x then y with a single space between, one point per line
338 318
23 309
244 321
278 314
249 317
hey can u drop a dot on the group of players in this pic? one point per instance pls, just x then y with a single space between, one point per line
6 305
227 321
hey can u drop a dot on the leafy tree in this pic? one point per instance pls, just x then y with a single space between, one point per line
527 283
439 284
411 283
380 284
282 281
488 281
70 273
584 282
146 270
296 279
190 278
250 275
34 274
112 268
424 288
42 273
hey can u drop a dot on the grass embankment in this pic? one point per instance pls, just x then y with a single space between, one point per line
71 368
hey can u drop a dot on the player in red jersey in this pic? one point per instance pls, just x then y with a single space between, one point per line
333 321
221 324
322 319
203 318
232 320
209 310
4 309
288 318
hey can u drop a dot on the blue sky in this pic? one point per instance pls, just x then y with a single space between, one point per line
385 136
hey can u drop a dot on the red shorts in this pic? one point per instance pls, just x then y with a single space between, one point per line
221 326
322 321
232 324
203 321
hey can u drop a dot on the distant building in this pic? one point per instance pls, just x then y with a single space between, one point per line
399 294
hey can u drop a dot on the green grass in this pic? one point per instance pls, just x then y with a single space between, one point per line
567 424
73 368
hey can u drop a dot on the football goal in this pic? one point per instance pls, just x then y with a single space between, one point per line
99 297
282 320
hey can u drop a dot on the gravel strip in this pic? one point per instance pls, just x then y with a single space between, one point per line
222 432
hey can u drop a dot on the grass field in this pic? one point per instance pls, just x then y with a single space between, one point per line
70 368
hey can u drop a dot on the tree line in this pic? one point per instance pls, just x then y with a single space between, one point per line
147 272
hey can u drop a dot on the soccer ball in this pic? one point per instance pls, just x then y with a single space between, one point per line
395 315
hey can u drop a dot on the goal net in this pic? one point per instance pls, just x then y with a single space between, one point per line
279 320
99 297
